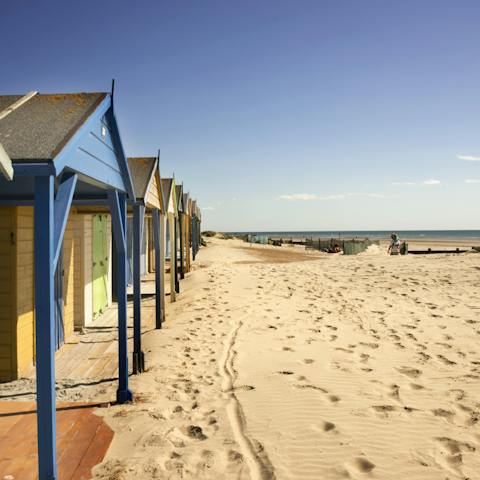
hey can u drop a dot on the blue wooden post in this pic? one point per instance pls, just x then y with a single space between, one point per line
138 225
194 236
159 298
182 245
119 226
174 261
45 326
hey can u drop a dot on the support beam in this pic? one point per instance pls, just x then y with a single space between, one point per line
138 238
177 283
63 202
194 239
171 228
118 210
159 277
162 265
45 326
182 245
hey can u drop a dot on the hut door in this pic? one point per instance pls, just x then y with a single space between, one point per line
100 265
59 326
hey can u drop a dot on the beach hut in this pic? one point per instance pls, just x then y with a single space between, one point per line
195 222
148 203
171 214
186 235
63 150
180 235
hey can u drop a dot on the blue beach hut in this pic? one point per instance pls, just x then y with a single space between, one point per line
60 150
145 174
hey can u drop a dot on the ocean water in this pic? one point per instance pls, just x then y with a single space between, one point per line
410 234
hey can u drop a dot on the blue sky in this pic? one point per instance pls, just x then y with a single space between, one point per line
278 115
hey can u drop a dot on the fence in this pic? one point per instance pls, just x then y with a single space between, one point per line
349 247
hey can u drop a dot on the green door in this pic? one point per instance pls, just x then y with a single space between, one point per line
100 264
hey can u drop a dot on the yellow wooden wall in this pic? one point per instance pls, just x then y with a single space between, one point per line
7 292
24 320
68 282
17 321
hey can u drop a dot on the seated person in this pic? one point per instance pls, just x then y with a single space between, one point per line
394 247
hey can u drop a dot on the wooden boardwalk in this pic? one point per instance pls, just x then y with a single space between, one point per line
93 355
82 440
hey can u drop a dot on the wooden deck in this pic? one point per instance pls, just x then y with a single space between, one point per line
82 440
93 354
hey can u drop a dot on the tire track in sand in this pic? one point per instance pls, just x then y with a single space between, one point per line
258 463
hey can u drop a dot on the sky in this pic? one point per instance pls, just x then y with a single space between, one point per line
278 115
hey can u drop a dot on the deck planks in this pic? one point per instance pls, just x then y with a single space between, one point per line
83 439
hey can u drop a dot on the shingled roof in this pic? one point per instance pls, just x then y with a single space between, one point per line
141 171
166 189
37 130
186 203
179 194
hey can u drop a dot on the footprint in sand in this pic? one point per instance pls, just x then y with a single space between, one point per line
445 360
442 413
360 465
410 372
451 451
324 426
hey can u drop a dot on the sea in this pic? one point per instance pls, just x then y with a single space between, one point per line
410 234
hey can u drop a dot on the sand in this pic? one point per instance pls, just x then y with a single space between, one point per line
277 363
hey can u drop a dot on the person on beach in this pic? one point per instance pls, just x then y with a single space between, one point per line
394 247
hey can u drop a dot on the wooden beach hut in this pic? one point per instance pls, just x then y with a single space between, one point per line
180 236
196 234
186 223
63 150
148 203
171 214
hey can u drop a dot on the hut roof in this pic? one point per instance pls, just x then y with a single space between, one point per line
38 129
179 194
186 205
141 170
166 190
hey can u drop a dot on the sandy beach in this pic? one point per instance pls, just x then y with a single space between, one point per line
281 363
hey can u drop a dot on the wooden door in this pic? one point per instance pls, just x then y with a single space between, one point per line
100 265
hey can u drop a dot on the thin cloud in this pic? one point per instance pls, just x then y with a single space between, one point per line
207 208
298 196
404 184
468 158
472 180
332 197
431 182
